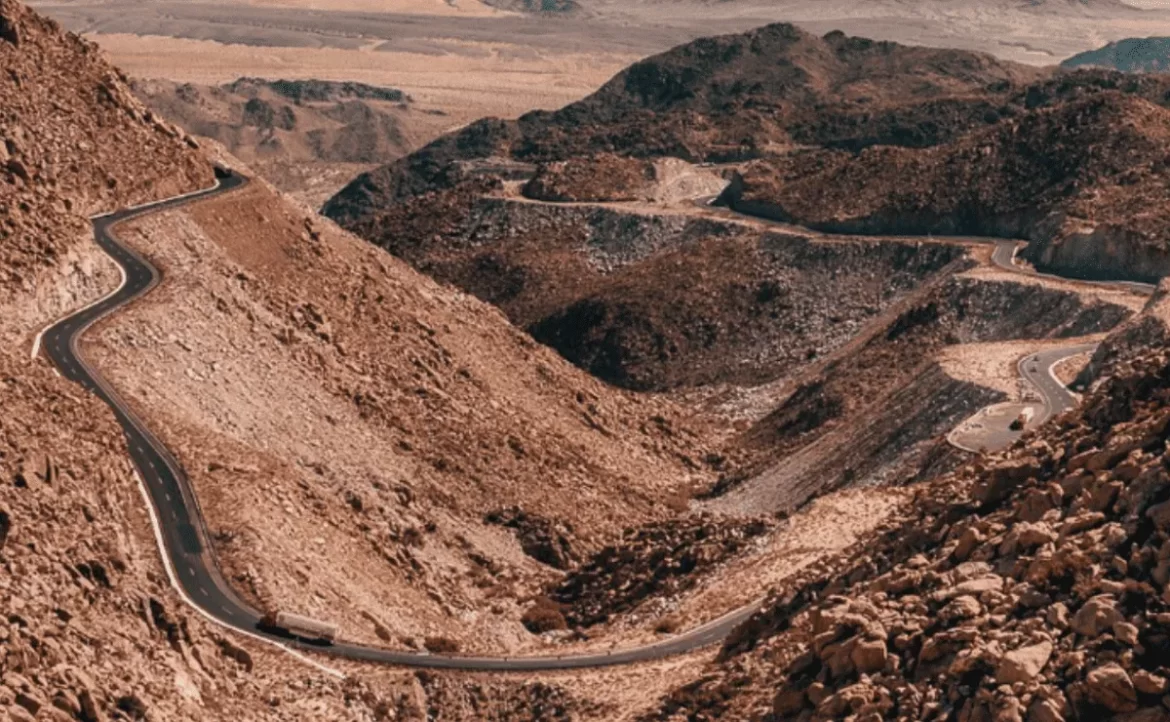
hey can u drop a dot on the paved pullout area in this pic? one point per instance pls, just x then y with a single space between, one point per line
990 428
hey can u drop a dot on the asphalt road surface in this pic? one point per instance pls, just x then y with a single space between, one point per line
179 522
990 428
1037 368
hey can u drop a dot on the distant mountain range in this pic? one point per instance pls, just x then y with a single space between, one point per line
1132 55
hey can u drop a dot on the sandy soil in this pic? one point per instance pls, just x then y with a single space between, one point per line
994 365
1066 371
461 88
467 8
1039 33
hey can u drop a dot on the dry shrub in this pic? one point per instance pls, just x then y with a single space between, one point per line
668 624
544 616
441 645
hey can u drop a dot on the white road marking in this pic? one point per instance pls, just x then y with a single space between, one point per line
71 314
158 538
151 204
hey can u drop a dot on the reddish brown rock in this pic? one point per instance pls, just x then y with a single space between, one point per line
1024 664
1110 687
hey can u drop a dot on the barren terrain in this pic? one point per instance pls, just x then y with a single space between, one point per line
308 137
1038 33
373 447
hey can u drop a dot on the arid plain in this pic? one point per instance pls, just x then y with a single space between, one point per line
471 59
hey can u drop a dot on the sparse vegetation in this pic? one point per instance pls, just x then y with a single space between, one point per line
544 616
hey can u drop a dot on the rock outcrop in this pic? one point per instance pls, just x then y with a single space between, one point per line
726 98
1031 586
73 141
652 561
1084 179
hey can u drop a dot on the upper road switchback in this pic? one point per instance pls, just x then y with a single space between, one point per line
989 429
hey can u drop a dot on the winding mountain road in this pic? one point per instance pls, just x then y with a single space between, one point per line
179 525
182 533
1036 368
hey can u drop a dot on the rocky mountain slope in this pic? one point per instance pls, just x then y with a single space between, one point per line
347 423
306 136
1132 55
407 412
1086 180
658 300
91 629
730 97
645 291
1032 585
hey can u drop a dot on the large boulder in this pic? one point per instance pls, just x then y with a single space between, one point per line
1024 664
1098 615
999 483
1111 687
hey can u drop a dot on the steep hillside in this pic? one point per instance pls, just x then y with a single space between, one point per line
348 424
348 389
650 299
1132 55
729 97
1086 180
91 629
306 136
1026 586
877 413
73 140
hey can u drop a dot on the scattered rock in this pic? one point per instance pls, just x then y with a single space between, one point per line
1024 664
546 540
1110 687
1098 615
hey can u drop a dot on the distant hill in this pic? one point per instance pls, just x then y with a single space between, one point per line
306 136
728 98
1132 55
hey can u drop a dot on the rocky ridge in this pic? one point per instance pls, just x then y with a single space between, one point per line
1083 180
726 98
577 278
66 120
306 136
653 561
1032 585
1131 55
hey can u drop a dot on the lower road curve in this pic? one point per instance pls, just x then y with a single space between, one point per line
178 522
